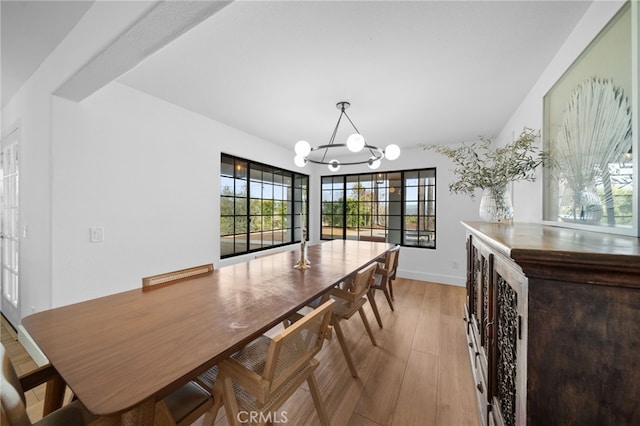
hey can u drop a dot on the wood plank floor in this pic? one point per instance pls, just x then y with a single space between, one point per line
419 373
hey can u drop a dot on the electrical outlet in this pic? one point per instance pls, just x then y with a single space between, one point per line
96 234
454 265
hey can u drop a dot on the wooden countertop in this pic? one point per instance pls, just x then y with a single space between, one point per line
538 249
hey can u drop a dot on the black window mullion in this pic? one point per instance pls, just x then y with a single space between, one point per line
248 215
344 207
403 195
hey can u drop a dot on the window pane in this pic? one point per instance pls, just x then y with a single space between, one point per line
240 245
241 206
240 171
227 166
240 225
240 187
411 193
226 206
226 226
226 185
255 189
227 245
267 190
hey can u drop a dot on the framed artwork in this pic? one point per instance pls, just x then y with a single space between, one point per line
591 130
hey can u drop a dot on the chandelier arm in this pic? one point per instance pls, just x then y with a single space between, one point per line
333 136
352 125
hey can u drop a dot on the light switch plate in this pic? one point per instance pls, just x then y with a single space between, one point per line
96 234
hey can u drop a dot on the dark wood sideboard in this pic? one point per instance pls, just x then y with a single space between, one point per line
553 324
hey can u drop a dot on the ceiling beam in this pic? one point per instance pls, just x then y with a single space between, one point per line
164 23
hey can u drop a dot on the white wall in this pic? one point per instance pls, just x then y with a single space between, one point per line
148 172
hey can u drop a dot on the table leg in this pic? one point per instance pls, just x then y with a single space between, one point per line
142 414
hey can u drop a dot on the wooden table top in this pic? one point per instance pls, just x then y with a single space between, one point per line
117 351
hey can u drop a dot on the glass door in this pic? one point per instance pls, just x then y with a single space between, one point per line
9 227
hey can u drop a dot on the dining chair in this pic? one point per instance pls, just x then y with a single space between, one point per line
349 300
13 402
194 399
386 273
255 381
187 404
392 276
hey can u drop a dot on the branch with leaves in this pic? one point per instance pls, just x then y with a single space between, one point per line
480 166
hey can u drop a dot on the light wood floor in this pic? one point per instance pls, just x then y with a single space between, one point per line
419 373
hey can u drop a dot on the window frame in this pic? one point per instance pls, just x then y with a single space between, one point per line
342 185
241 205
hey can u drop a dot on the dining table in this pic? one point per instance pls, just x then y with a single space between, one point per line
120 354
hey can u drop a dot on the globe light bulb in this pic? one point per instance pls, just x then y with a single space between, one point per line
300 161
334 165
303 148
374 163
392 152
355 142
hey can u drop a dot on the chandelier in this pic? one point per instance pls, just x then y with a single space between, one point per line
305 153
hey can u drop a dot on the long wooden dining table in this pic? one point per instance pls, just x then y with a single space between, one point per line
121 353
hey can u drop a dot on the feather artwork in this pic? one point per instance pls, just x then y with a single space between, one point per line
595 132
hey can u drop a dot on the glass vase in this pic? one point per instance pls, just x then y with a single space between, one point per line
496 206
581 205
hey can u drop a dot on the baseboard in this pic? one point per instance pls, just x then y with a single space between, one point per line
30 346
434 278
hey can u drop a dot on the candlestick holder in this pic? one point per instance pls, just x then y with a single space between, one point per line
303 263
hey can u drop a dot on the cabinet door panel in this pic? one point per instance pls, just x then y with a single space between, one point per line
508 353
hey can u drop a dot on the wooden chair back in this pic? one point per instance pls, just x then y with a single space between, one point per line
271 369
391 261
293 348
168 278
355 289
363 280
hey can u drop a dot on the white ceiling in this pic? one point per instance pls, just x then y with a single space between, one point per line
29 31
415 72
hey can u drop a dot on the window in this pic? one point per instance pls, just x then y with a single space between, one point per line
260 206
396 207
